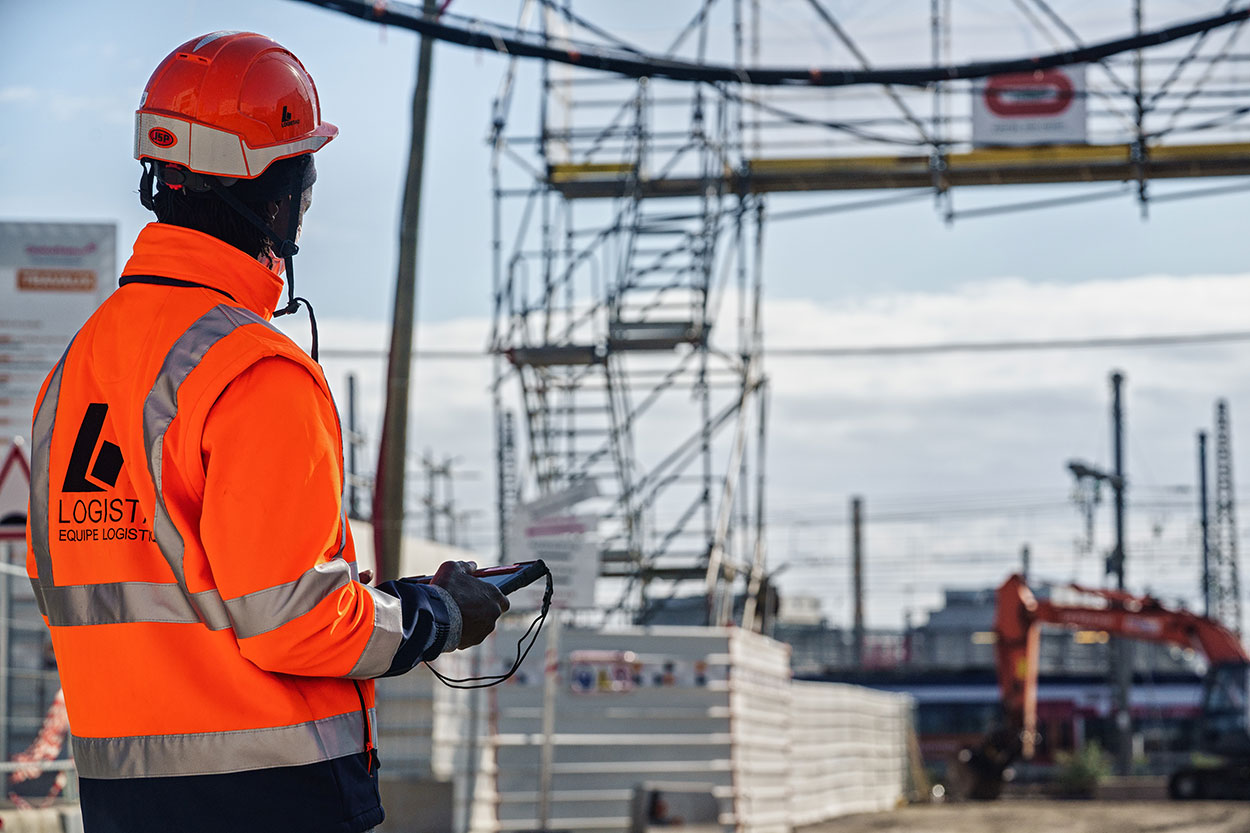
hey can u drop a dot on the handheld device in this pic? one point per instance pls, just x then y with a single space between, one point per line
510 577
507 577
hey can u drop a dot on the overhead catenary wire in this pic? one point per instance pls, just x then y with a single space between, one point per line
512 42
888 350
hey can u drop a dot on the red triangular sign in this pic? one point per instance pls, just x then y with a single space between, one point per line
14 493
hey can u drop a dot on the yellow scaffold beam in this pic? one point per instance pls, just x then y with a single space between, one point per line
982 166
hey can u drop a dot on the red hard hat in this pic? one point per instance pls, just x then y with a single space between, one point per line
230 104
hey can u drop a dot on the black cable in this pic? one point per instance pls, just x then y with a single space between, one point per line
851 205
1179 67
1231 117
1005 346
608 60
840 126
1032 205
888 350
496 679
292 306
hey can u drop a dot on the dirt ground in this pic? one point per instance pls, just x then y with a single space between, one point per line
1057 816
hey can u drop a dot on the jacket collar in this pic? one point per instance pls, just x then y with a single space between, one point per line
176 252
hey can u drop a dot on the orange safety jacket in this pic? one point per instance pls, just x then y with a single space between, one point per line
197 573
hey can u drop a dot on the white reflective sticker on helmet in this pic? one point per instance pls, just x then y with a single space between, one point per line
209 38
208 150
162 137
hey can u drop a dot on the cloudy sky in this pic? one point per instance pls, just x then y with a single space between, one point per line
961 457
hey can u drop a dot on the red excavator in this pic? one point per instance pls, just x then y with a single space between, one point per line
1224 726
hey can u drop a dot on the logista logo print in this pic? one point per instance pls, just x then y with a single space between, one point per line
108 461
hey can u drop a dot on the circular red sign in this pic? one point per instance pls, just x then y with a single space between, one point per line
1044 93
162 138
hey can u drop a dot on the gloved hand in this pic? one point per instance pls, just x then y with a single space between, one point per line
481 603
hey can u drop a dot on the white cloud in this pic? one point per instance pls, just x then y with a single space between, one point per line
66 106
17 94
915 431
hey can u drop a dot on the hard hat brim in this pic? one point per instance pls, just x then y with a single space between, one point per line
210 150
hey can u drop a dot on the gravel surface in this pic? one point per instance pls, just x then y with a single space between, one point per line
1058 816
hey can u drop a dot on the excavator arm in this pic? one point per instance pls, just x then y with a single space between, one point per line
1018 619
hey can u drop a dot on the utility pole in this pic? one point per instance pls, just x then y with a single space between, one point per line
1206 523
1117 483
1121 649
431 506
440 499
353 440
388 515
434 507
1025 560
857 578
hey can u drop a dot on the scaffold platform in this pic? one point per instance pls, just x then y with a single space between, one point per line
981 166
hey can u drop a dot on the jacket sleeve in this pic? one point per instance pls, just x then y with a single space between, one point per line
277 544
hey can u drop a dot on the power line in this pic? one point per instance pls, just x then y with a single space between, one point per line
382 353
887 350
1012 346
517 43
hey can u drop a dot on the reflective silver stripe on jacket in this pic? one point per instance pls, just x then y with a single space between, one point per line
159 410
385 639
250 615
128 602
40 487
209 753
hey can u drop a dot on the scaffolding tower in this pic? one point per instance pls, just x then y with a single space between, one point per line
630 334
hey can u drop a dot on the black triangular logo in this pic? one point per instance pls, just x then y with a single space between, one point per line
108 461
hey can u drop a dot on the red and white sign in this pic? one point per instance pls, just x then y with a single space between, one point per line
570 547
14 493
1046 107
52 277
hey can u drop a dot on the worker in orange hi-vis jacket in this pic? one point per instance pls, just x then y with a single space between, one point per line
187 544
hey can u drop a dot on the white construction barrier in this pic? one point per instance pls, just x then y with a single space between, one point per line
848 750
713 708
62 819
425 747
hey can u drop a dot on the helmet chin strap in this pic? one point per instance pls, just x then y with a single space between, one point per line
282 245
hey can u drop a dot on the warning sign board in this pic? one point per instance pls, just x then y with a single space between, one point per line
1046 107
52 277
570 547
14 492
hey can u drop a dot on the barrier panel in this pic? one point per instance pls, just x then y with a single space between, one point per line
42 820
848 750
425 744
692 807
688 709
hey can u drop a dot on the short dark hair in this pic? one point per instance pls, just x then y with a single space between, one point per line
208 213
